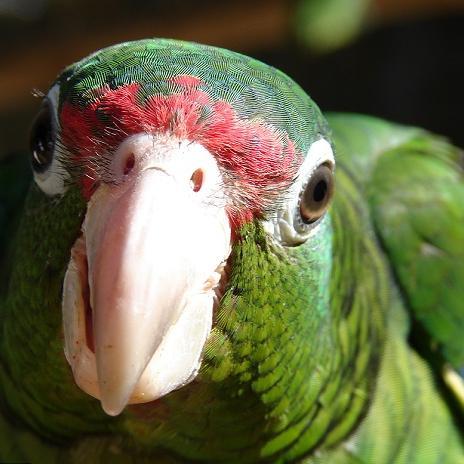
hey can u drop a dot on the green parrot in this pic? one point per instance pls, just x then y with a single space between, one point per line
204 268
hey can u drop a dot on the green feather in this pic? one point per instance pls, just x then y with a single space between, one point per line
415 188
309 358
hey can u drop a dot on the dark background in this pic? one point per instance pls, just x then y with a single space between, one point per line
405 62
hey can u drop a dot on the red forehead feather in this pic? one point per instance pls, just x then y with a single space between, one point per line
261 158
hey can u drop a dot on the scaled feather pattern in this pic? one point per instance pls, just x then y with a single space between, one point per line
285 285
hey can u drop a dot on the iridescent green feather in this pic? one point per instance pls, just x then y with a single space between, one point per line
415 188
256 91
309 356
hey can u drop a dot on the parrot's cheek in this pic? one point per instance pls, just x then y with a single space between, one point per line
141 287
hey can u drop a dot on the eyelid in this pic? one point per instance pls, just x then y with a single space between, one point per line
42 138
53 179
287 227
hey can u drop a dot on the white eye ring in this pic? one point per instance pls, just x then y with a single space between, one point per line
287 227
52 180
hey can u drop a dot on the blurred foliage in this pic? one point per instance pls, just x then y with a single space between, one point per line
325 25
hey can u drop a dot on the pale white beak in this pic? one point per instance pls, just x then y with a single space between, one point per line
139 293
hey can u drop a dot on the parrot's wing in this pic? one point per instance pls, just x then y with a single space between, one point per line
15 177
415 185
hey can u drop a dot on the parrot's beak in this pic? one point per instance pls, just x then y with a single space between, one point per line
140 288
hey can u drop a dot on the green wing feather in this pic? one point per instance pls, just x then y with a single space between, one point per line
417 198
415 185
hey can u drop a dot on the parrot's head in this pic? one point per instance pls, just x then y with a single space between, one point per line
173 149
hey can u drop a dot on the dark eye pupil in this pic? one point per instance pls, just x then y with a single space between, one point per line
42 139
317 194
320 191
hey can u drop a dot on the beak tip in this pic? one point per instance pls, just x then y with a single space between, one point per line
113 406
115 395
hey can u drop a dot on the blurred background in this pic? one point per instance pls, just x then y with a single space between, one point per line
399 59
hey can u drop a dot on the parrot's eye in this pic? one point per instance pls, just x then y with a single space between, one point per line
317 194
308 199
42 139
49 173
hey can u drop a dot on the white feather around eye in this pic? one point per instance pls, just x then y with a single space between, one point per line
52 180
287 227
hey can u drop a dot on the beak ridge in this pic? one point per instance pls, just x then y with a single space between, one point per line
151 251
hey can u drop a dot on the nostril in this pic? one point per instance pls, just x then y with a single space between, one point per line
196 180
130 163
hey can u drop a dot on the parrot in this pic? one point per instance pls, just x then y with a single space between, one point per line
198 265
